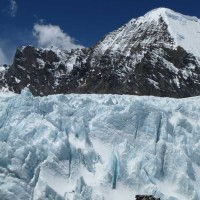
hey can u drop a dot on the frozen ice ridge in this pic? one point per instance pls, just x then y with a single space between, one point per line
98 147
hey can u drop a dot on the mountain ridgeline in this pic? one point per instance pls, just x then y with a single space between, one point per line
157 54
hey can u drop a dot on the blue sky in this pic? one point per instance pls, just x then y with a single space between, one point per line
73 22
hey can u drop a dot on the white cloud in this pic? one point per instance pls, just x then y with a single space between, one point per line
13 8
7 51
3 58
52 35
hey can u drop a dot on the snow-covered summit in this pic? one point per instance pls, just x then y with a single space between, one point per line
156 13
185 30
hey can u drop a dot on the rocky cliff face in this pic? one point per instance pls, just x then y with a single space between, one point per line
146 197
153 55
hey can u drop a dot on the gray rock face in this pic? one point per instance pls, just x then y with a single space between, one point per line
141 58
145 197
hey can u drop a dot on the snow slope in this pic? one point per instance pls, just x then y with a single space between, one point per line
98 147
183 30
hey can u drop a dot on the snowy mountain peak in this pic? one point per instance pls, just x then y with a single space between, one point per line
160 50
185 30
166 12
155 14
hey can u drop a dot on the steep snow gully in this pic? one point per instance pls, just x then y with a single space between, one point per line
98 147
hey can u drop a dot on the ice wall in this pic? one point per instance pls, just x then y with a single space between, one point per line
97 147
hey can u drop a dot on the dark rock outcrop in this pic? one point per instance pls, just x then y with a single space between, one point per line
146 197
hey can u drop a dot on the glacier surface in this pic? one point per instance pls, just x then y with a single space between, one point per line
98 147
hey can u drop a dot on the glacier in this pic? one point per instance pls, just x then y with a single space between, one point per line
98 147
